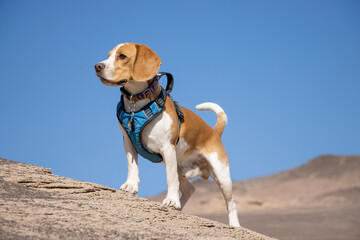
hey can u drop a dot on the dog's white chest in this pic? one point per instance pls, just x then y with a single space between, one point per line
156 135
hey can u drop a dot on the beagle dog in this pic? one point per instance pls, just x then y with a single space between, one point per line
189 150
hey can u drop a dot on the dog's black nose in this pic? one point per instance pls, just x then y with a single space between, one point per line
99 67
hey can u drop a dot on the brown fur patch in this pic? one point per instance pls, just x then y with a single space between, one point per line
200 136
221 122
123 67
147 64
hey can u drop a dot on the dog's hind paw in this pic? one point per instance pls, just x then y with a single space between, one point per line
129 187
171 202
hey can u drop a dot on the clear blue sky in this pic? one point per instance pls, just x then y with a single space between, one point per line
287 74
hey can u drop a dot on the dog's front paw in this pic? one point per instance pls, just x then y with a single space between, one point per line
130 187
171 202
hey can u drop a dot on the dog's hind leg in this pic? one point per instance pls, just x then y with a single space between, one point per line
186 189
221 174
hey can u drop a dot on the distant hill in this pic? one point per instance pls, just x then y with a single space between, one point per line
324 192
310 184
36 204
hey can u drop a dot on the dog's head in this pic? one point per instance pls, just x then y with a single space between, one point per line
128 62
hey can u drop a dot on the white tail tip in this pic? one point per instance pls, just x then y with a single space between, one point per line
209 106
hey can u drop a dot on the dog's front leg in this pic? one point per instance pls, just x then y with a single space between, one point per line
132 183
172 198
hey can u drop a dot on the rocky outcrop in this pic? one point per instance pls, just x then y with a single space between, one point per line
36 204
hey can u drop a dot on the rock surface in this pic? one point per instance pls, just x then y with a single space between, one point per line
36 204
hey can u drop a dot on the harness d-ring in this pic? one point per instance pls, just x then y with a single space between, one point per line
169 87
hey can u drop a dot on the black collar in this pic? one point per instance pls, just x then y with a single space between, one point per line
142 95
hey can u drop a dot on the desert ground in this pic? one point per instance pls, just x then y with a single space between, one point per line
36 204
318 200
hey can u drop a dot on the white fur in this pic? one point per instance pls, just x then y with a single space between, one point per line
132 183
156 136
209 106
109 64
220 172
189 168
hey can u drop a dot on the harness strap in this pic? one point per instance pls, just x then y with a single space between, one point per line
168 90
135 122
170 81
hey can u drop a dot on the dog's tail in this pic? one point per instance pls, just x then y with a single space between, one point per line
222 119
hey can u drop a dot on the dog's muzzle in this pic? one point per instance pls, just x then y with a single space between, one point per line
112 83
99 67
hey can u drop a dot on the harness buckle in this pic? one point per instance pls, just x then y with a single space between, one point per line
160 102
148 112
131 123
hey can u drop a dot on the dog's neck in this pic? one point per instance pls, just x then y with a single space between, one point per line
134 88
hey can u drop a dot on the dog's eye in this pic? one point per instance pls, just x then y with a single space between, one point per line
122 56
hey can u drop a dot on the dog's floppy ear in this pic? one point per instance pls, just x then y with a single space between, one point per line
147 64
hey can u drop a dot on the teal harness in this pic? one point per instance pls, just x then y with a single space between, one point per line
135 122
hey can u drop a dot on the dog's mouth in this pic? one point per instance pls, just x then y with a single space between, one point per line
112 83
